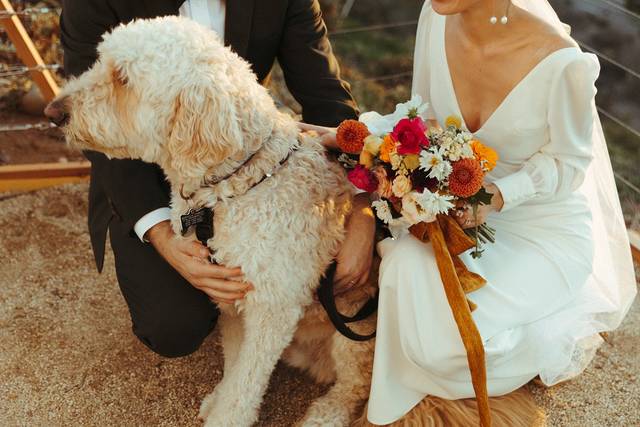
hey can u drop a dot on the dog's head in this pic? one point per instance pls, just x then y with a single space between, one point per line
167 91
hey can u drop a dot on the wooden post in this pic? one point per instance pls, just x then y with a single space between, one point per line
27 52
41 175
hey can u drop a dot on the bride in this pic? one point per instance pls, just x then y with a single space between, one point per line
560 271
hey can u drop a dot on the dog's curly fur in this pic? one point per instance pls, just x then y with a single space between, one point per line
167 91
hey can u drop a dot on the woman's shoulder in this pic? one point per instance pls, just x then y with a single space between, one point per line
563 54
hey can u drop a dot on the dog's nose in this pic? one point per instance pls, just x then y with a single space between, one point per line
56 112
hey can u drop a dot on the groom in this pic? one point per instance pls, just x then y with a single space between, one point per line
166 282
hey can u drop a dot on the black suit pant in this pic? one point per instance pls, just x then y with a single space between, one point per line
169 316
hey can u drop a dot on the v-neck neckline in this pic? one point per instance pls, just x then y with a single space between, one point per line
508 96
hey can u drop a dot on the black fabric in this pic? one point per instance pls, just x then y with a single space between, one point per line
168 315
261 31
327 299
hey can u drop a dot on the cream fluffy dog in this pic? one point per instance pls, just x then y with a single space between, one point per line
167 91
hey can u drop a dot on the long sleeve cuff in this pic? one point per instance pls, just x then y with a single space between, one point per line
516 189
149 220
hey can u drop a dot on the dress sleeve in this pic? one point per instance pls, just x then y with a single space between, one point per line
559 167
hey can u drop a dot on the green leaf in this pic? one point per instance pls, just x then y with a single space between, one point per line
482 197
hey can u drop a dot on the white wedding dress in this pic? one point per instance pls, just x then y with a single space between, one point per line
557 274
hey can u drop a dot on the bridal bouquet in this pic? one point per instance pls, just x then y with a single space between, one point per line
416 176
415 173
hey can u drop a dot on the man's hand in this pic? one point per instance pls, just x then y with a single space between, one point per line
191 260
356 254
327 135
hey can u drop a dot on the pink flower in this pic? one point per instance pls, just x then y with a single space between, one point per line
363 179
410 133
384 184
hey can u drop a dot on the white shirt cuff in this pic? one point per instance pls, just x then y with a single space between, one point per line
149 220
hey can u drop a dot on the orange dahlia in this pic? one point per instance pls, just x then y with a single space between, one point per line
351 135
486 155
466 178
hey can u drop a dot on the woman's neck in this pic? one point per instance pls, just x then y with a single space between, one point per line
474 23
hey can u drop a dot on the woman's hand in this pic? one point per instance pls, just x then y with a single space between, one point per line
356 254
327 135
191 260
465 216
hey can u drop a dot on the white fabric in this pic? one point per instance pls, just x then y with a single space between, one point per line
154 217
560 270
211 14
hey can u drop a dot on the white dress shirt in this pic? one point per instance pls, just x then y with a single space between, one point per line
211 14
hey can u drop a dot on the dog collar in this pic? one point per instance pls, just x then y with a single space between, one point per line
202 218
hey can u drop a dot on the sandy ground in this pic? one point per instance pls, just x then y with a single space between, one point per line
32 146
68 357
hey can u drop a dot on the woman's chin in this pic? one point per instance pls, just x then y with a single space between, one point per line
451 7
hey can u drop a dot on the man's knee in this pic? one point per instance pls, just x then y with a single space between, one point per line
176 336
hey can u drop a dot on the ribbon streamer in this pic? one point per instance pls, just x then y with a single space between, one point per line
449 241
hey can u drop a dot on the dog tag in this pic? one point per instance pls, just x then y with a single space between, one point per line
202 219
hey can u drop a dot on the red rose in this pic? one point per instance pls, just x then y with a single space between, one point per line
410 134
363 179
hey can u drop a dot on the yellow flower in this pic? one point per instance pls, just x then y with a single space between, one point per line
388 146
366 159
412 161
453 121
372 144
487 156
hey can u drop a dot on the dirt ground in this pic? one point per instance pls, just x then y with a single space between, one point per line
32 146
68 357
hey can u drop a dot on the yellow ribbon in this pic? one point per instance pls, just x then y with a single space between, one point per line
449 241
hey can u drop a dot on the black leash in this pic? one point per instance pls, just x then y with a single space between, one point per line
327 299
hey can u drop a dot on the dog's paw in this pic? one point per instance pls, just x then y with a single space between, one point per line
207 404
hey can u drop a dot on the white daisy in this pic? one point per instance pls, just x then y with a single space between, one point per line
383 211
432 161
435 203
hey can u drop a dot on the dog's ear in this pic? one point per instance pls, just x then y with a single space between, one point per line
205 130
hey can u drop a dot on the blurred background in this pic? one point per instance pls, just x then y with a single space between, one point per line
373 40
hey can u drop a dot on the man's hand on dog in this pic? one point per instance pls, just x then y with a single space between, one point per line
191 260
356 254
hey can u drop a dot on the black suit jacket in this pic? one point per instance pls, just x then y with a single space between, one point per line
260 31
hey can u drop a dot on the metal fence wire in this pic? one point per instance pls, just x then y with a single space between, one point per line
18 70
30 11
